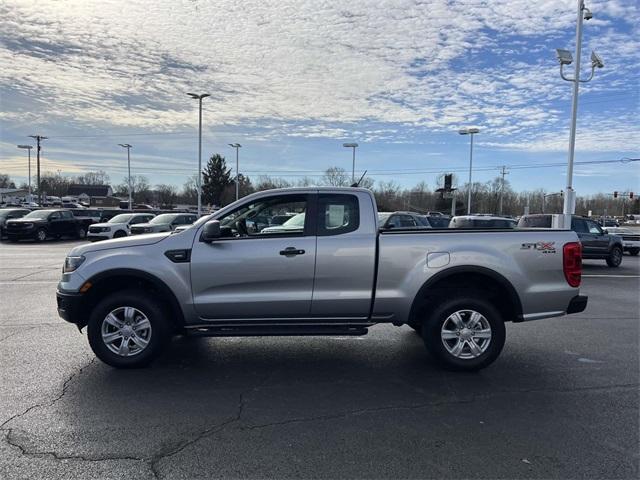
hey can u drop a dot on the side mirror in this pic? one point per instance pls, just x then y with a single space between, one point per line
211 231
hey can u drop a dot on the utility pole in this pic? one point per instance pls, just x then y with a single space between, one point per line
28 148
128 147
503 173
237 146
38 139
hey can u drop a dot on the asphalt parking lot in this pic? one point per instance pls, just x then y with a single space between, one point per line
561 402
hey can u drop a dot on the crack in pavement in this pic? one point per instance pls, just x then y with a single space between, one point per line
430 404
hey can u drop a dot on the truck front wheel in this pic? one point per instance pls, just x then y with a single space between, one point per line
464 334
128 329
615 257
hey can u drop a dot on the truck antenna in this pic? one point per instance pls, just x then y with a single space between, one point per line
357 184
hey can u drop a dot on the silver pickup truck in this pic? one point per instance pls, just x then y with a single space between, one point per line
329 272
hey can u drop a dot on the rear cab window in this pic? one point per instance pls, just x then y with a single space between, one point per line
337 214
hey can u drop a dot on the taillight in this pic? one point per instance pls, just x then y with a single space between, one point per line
572 263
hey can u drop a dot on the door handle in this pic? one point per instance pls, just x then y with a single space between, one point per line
291 252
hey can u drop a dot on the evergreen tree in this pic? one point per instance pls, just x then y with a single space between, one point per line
215 178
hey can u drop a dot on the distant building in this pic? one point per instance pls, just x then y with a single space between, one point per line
88 191
13 195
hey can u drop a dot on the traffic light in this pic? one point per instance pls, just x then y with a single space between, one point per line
631 195
615 194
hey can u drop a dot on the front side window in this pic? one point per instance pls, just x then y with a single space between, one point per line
261 217
579 225
594 228
337 214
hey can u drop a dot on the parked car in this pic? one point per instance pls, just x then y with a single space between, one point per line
630 238
93 214
118 227
8 214
294 224
596 243
42 224
609 222
402 220
438 221
481 221
164 223
339 275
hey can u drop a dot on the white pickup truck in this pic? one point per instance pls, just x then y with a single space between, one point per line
336 273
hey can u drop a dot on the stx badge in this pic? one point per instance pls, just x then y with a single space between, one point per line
544 247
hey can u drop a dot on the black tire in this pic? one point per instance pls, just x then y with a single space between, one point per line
634 251
160 336
432 326
615 257
81 233
120 234
41 235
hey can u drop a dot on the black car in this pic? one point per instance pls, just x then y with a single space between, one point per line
596 242
8 214
42 224
402 220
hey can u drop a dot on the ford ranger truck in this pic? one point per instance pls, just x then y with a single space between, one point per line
337 273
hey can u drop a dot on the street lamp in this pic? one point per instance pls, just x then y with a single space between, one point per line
128 147
199 178
28 148
237 146
469 131
565 58
353 165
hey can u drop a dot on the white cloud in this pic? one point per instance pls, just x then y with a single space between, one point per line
128 64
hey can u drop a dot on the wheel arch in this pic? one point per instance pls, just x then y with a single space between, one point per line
118 279
469 278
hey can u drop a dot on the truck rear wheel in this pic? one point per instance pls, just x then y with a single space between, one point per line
128 329
464 334
634 251
615 257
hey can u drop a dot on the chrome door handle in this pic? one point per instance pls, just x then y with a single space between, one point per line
291 252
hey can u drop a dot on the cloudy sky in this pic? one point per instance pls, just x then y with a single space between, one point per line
291 80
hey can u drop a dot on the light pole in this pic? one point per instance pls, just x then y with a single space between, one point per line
28 148
38 139
353 165
469 131
237 146
565 58
128 147
199 178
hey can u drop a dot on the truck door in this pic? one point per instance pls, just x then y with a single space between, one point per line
345 259
599 239
589 244
252 274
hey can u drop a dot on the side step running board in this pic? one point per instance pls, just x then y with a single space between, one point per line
275 330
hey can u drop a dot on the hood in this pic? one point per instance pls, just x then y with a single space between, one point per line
26 220
150 225
124 242
106 224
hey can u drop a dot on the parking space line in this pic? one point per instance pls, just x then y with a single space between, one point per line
24 282
613 276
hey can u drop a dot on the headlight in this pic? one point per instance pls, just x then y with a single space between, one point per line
106 229
71 264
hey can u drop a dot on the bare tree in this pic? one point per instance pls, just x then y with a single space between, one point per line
336 177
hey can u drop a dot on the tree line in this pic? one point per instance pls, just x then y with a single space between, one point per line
218 189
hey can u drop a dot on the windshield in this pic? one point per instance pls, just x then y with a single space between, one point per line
164 218
122 218
382 217
38 214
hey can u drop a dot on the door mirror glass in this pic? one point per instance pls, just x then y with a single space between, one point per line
211 231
